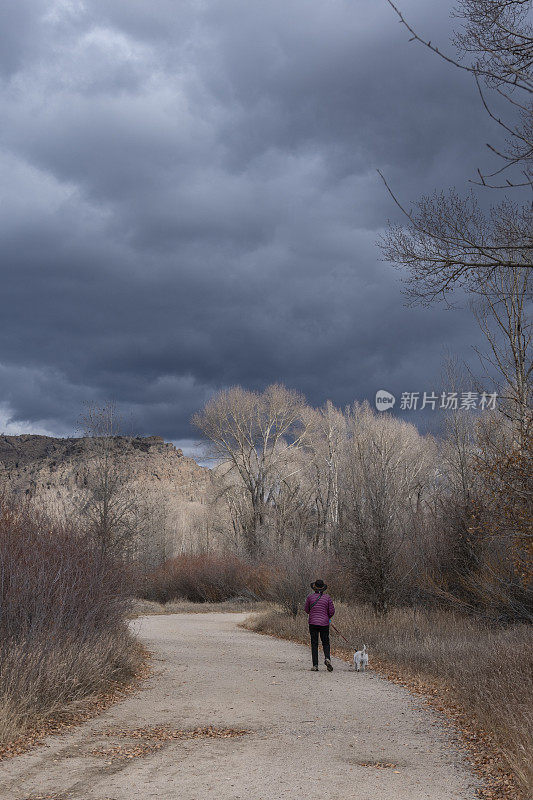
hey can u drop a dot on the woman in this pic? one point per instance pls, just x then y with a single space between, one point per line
320 608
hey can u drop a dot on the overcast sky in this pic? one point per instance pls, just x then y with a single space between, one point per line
189 200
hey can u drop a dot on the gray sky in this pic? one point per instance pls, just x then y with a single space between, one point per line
189 200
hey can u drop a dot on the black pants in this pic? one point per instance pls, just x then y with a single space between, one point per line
323 630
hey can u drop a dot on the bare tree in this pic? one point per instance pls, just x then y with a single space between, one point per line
503 464
149 520
253 435
456 453
448 241
386 471
292 517
416 518
108 503
501 310
324 444
495 45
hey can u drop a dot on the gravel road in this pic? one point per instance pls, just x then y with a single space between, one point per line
311 736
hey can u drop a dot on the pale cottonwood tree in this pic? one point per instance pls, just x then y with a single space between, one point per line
253 436
386 469
458 442
457 499
151 543
324 448
292 517
232 493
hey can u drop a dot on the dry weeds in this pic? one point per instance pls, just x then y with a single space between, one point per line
69 717
141 608
205 578
64 637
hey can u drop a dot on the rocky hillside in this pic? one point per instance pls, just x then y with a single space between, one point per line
50 473
29 464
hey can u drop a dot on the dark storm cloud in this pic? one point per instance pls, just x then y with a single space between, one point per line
190 201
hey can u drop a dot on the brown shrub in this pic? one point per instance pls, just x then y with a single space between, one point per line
63 634
205 578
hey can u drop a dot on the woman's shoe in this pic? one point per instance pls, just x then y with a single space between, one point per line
314 669
329 665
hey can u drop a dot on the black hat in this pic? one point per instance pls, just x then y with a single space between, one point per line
319 585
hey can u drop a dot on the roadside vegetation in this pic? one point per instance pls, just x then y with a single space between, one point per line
471 659
424 542
142 608
63 632
204 578
473 667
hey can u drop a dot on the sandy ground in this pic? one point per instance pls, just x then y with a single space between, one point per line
310 735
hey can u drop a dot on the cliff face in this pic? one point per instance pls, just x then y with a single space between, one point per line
174 496
43 465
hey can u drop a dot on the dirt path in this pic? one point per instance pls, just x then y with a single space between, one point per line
310 734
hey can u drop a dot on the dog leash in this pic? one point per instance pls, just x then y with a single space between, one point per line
340 634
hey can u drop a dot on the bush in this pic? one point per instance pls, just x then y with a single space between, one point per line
205 578
63 634
213 578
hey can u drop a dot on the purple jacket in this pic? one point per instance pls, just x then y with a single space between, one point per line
322 611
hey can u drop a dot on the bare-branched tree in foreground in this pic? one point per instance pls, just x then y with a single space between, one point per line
495 45
501 309
448 241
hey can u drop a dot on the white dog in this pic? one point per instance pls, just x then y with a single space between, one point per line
360 659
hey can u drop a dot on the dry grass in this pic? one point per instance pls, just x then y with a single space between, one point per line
63 629
141 608
486 670
39 678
